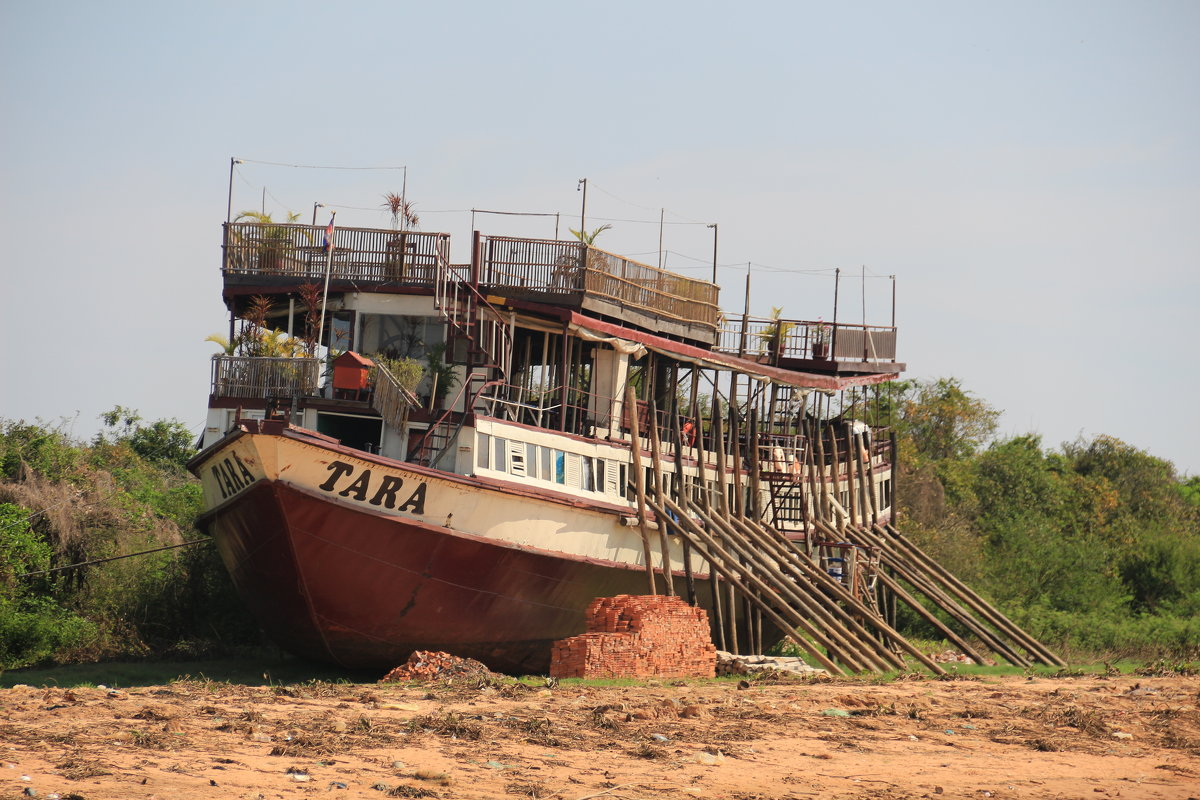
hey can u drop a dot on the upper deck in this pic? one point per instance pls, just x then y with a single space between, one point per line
269 258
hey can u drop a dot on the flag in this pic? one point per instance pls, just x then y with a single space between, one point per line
328 244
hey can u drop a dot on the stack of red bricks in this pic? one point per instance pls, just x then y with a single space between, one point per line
638 636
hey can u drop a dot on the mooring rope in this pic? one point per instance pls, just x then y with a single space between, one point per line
112 558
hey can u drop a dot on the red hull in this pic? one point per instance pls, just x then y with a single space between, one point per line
329 581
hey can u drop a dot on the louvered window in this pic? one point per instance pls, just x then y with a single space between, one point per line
516 458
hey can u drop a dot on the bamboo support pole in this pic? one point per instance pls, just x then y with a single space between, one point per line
744 547
942 601
703 541
706 506
857 647
929 617
920 581
684 501
756 508
835 474
870 477
664 541
639 478
977 603
739 507
723 510
852 499
780 546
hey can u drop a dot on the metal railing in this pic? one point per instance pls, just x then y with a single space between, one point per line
359 254
770 339
261 378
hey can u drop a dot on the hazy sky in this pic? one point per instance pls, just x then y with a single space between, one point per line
1028 171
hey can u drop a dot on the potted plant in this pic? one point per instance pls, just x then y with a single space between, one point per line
404 217
273 240
774 336
819 334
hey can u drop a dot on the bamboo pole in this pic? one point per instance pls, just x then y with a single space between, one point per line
739 508
921 582
681 497
705 504
853 502
639 479
981 606
723 509
703 541
785 552
835 469
929 617
664 541
868 446
852 639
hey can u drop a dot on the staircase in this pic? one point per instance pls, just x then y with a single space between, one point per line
477 334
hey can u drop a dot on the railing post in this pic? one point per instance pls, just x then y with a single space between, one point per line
476 255
837 278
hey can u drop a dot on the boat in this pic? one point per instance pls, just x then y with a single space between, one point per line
479 509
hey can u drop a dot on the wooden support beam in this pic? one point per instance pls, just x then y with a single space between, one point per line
972 599
664 541
639 483
776 609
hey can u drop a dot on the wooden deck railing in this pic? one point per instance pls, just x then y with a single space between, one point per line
359 254
549 265
261 378
646 287
807 339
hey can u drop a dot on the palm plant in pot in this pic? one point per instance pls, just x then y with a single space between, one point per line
272 241
819 334
774 335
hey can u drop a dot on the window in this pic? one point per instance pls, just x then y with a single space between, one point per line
516 459
531 461
501 455
483 450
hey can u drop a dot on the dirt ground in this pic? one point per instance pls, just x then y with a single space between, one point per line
1011 737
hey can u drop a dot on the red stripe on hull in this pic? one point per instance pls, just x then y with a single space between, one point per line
329 581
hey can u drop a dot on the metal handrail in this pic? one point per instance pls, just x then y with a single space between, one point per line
762 338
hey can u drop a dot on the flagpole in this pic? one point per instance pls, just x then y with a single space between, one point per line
325 294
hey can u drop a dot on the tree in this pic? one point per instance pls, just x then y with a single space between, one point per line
943 421
162 442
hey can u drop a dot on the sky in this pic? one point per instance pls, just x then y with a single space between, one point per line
1028 171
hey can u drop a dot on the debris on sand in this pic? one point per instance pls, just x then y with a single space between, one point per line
730 664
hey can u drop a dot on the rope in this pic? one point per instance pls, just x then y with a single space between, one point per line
113 558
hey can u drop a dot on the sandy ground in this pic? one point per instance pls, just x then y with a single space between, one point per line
1012 737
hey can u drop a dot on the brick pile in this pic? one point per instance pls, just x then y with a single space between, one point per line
638 636
425 665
